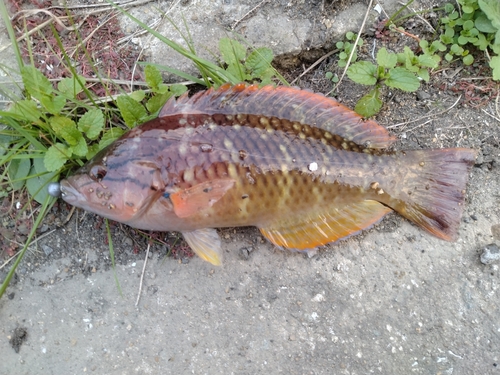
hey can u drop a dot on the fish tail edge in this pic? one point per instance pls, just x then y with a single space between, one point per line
434 196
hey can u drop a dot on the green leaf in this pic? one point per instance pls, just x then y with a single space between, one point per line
232 51
53 104
462 40
70 87
482 43
467 9
363 72
491 9
153 77
468 60
80 148
155 103
91 123
424 74
427 61
455 49
65 128
238 71
92 150
468 25
483 24
37 186
259 60
56 156
386 59
495 66
18 171
137 95
177 89
133 112
448 8
350 35
110 136
35 83
402 79
369 104
27 110
438 45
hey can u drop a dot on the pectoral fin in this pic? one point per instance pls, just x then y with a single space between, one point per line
188 202
318 229
206 244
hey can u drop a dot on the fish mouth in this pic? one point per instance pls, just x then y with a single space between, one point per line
69 193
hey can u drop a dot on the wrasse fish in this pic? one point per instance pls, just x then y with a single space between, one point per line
301 167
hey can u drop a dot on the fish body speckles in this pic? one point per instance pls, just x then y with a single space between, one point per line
301 167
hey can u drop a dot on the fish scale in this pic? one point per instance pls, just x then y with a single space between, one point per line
301 167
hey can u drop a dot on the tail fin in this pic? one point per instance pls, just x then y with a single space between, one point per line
434 189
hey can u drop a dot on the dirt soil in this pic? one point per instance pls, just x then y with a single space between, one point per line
392 300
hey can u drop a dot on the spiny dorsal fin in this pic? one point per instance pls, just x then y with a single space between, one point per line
283 102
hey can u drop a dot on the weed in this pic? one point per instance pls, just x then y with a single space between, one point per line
346 48
476 25
401 71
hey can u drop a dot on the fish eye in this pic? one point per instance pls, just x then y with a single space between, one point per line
97 172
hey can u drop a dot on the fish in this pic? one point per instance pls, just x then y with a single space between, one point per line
303 168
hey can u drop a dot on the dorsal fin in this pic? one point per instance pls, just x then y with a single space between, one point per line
283 102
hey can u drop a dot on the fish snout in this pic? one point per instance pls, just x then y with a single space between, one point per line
67 192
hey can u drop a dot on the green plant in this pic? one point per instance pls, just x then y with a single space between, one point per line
476 23
332 77
346 47
402 71
244 66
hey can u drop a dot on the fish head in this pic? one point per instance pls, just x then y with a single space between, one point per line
116 184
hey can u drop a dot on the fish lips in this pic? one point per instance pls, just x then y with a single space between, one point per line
70 194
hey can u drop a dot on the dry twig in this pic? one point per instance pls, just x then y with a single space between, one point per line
142 275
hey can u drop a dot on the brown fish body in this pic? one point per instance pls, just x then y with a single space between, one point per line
304 169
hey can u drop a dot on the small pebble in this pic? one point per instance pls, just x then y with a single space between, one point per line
422 95
245 252
47 249
495 231
491 254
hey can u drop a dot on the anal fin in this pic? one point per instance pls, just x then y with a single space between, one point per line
316 229
206 244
